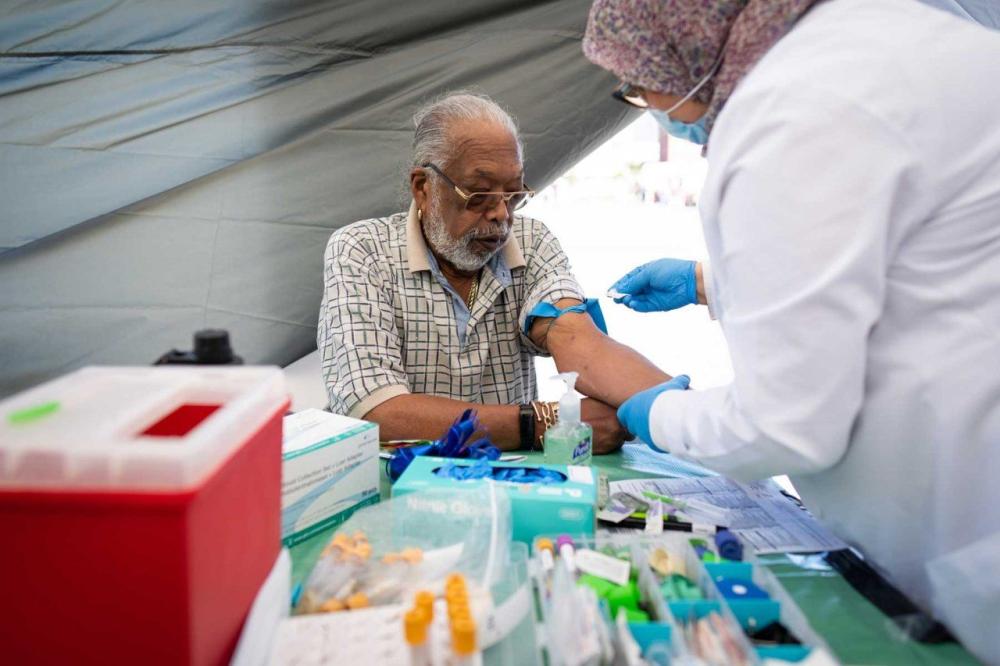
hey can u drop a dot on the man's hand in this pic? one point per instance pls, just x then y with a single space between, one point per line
608 431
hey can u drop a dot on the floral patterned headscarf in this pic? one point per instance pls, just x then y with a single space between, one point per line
669 46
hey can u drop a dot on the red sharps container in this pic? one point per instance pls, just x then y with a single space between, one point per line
140 511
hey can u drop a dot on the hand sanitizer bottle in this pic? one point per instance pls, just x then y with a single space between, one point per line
569 442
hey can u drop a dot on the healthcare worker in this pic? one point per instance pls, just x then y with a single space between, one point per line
852 217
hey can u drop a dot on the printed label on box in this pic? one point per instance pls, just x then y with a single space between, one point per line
330 469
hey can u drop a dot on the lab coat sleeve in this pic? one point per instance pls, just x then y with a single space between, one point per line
710 298
803 207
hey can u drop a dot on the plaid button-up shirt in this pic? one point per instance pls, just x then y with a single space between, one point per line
389 324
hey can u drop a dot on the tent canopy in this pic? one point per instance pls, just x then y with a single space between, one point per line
170 166
166 167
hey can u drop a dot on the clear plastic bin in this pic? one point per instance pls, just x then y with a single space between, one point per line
603 634
735 616
386 555
754 614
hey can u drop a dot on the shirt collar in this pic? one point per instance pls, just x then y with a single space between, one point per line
417 252
497 265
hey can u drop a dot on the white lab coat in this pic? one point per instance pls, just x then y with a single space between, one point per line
852 216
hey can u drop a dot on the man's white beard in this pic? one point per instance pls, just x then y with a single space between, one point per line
458 252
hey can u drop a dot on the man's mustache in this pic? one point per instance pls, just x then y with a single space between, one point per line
489 233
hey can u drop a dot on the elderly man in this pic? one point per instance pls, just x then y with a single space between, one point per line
442 308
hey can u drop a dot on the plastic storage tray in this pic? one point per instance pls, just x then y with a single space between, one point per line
657 636
739 616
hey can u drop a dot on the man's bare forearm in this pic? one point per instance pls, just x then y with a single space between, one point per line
609 371
415 416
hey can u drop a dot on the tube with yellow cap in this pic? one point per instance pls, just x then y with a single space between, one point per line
416 624
546 551
455 581
424 600
463 626
463 640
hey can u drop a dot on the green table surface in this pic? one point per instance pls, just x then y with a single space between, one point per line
857 631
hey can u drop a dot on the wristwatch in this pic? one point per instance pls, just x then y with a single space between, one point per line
526 419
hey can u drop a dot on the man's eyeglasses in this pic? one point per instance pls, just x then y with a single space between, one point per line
479 202
631 95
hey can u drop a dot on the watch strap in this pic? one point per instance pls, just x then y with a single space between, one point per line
526 421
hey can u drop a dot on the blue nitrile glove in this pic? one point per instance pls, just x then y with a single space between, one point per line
664 284
634 412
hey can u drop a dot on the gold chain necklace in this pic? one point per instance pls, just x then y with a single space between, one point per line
473 292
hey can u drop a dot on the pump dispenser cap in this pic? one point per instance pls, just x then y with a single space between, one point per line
569 404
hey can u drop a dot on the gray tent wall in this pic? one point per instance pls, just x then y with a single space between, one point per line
166 166
985 12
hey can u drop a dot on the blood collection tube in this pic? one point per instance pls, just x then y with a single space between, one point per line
546 551
566 552
415 626
463 640
424 600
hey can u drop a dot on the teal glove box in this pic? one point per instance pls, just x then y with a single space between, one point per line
556 508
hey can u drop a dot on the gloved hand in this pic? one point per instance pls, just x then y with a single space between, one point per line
664 284
634 412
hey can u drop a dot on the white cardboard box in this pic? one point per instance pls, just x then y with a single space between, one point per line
330 469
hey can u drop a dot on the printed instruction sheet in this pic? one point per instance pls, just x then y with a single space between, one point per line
764 518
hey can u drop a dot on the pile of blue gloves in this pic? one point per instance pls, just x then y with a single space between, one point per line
454 444
481 469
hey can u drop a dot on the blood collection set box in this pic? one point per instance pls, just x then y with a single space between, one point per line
330 469
550 499
142 512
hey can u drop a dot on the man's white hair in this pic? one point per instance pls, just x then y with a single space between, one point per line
432 139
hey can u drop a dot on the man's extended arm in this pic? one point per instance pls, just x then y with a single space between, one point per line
417 416
609 371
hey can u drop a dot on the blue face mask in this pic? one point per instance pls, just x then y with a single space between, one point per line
694 132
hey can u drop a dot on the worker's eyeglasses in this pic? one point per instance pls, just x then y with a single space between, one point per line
479 202
631 95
